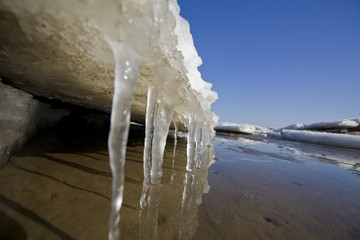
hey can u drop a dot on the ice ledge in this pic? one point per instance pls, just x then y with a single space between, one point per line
60 50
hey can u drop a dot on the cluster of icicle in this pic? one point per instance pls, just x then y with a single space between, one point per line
151 43
155 45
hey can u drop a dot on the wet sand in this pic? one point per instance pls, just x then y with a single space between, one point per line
262 190
259 189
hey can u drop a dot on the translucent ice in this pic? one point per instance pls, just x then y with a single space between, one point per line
152 45
174 152
162 120
126 74
199 143
190 144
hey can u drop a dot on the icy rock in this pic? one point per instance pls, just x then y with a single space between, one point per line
20 117
8 141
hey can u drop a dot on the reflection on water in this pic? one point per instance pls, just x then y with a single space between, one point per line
260 189
178 214
293 151
62 190
184 223
149 215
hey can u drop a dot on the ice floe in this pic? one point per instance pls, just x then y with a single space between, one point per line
323 138
343 126
239 128
323 133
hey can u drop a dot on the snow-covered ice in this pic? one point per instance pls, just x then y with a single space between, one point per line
340 126
239 128
324 133
297 132
323 138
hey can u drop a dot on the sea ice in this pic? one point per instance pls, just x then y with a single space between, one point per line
323 138
239 128
326 126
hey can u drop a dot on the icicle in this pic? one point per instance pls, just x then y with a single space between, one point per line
149 133
162 120
205 154
126 74
190 144
198 142
174 152
175 139
158 119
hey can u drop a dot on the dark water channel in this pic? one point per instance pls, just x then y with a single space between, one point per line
57 188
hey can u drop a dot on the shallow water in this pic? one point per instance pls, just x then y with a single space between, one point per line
273 189
259 189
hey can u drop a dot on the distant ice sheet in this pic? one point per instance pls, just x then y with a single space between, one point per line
239 128
316 133
339 126
323 138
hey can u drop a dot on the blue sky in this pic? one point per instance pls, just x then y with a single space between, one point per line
274 63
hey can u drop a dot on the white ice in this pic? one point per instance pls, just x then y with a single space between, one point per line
145 39
323 138
239 128
345 123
